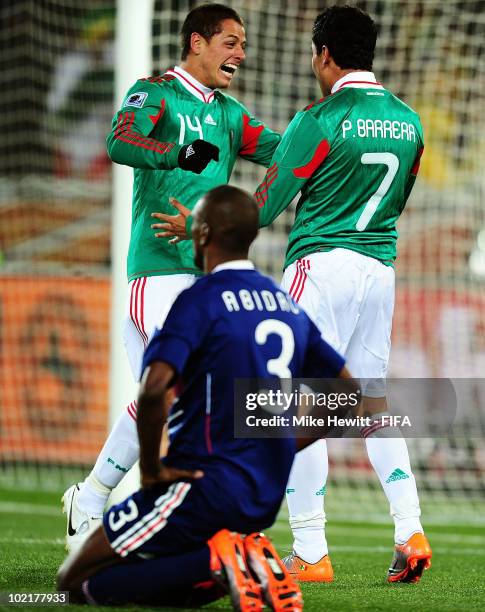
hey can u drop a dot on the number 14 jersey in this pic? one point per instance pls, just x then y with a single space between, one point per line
157 117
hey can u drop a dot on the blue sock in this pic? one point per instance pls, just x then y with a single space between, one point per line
161 581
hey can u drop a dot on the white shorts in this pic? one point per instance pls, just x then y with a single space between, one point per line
149 301
350 298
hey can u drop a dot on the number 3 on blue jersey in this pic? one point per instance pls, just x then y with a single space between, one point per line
279 365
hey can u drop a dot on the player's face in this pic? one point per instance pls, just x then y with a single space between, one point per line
222 55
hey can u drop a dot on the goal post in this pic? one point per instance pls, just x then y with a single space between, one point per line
133 61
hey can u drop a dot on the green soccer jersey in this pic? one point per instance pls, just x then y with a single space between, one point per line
354 156
158 116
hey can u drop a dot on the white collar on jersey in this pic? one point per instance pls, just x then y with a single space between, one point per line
206 94
235 264
360 79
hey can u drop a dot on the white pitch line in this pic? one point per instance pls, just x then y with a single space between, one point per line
26 508
33 541
437 550
367 549
451 538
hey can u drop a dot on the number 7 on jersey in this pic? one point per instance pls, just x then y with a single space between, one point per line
392 162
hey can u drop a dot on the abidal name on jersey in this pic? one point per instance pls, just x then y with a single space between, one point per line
262 300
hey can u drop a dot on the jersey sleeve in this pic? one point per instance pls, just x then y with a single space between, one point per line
258 142
415 169
183 332
321 360
412 176
129 141
302 149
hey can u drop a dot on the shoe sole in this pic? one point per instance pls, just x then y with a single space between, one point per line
244 597
245 594
280 590
415 566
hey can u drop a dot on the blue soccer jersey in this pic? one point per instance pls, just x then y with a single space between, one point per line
235 323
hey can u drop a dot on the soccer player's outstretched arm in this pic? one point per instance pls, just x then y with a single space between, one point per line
302 150
258 142
130 143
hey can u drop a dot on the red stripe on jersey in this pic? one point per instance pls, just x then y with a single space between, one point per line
136 140
159 79
313 104
261 194
156 118
162 146
305 172
250 137
417 162
122 119
269 175
135 136
124 133
209 95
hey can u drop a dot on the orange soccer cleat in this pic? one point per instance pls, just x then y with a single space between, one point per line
280 590
229 568
321 571
410 560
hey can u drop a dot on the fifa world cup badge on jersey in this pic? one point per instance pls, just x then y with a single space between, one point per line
136 99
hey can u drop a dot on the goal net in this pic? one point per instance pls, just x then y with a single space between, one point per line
430 54
55 213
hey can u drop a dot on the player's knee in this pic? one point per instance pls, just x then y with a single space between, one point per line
63 581
66 580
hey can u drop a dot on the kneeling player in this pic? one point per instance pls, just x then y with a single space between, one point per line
173 541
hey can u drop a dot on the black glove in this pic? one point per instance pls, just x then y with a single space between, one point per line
197 155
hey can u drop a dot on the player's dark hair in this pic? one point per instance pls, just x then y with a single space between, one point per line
206 21
233 217
349 34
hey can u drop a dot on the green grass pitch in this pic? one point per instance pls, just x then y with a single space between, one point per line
31 549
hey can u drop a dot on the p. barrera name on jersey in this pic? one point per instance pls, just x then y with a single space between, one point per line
378 128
